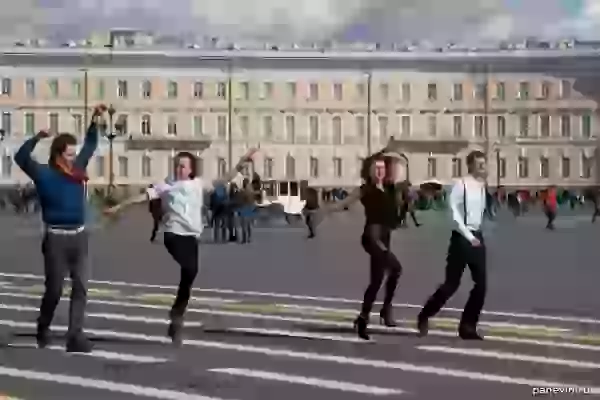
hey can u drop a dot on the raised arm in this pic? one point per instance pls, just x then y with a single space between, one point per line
246 158
90 143
24 159
457 207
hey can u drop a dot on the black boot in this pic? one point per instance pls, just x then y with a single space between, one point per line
360 325
422 326
469 334
79 344
386 318
42 337
175 330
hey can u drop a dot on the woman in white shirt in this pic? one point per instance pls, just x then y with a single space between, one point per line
182 200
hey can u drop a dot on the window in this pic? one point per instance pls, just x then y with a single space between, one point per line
6 86
314 167
431 167
146 125
268 167
383 123
122 89
222 90
172 90
336 130
244 126
500 91
100 89
384 91
200 167
501 126
545 90
523 91
457 125
544 125
338 91
565 167
565 89
122 124
290 128
171 166
337 167
268 127
30 88
360 127
172 125
268 90
479 126
501 167
524 126
100 166
221 167
565 126
405 92
7 166
313 126
313 92
198 125
7 123
222 127
432 92
481 91
456 167
146 166
53 88
146 89
245 91
405 125
292 90
76 88
457 92
587 165
544 167
432 125
360 161
523 167
290 167
586 126
361 90
198 90
77 124
123 163
29 124
53 123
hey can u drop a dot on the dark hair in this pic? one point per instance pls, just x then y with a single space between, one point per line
193 162
59 145
472 156
365 170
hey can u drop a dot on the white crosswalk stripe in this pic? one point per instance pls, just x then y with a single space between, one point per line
308 345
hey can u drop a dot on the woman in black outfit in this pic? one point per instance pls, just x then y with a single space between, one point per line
381 201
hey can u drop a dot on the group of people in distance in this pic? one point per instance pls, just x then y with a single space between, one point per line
62 189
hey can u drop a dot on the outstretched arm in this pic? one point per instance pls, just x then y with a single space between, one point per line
238 167
90 143
24 159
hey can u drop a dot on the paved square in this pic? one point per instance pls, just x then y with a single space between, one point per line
272 320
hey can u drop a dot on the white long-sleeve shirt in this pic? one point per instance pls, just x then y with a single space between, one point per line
473 191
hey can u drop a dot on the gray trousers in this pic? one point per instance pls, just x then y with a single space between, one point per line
62 254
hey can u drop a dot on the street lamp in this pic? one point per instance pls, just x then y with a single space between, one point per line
111 132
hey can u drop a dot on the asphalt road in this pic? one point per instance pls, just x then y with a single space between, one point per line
272 320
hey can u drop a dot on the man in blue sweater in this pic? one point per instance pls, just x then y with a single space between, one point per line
62 190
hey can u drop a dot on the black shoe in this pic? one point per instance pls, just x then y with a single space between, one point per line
469 334
175 331
386 319
79 344
422 326
43 338
360 325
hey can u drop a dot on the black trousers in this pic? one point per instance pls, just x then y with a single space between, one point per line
65 253
461 253
184 250
382 262
550 216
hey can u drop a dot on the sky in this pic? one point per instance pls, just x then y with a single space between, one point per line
462 21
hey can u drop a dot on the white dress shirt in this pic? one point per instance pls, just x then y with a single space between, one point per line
468 194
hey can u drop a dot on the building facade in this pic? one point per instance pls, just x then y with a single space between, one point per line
315 116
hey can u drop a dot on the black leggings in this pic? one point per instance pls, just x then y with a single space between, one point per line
184 250
382 261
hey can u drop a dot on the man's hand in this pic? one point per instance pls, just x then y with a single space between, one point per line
249 154
475 242
99 110
43 134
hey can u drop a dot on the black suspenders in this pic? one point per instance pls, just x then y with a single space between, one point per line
464 202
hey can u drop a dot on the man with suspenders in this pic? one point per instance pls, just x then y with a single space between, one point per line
467 248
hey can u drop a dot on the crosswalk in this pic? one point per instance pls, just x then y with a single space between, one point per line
253 345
